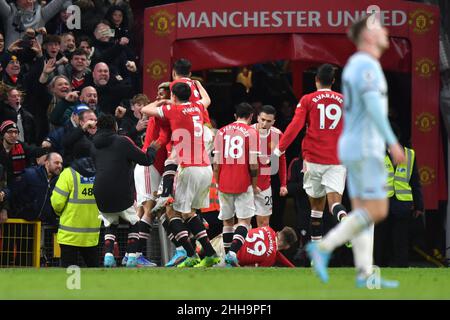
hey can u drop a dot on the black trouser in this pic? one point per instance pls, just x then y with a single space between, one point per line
215 225
278 204
69 256
391 243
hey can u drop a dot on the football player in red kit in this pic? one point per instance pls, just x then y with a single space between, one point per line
181 73
269 136
236 173
262 247
324 176
147 178
194 174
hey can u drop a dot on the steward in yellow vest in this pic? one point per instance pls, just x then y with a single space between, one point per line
399 177
79 225
405 197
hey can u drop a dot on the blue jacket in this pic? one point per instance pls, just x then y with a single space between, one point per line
31 198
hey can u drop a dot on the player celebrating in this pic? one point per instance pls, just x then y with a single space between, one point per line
362 150
268 139
236 172
147 178
194 174
181 74
324 176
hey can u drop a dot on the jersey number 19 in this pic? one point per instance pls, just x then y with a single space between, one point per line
331 112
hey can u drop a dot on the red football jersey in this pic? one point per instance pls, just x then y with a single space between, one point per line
158 129
267 143
322 111
235 146
259 248
195 95
186 123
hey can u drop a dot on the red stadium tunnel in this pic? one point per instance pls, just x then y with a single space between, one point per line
307 34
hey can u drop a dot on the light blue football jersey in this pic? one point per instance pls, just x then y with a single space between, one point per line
360 138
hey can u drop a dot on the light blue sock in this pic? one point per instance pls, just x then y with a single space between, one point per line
357 221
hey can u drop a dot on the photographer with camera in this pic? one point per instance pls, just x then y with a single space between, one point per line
28 49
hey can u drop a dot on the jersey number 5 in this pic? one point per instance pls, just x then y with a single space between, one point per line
198 128
332 112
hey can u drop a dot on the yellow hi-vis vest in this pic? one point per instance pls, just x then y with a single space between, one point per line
398 182
73 200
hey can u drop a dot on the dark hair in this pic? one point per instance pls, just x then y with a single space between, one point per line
325 74
268 109
51 38
181 91
83 113
164 85
182 67
356 29
39 152
84 38
288 236
114 8
244 110
106 121
79 52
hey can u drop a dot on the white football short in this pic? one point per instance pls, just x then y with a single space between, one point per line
240 204
146 181
320 179
263 202
129 215
192 188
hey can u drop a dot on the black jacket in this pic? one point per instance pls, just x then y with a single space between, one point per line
113 156
29 127
295 190
84 166
75 140
31 199
111 95
127 127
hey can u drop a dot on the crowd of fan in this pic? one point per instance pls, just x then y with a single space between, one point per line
54 84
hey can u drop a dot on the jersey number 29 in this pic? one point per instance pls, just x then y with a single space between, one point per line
259 248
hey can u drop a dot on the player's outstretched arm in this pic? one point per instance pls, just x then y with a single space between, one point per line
293 129
151 109
205 100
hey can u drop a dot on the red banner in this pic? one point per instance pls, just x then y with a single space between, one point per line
215 34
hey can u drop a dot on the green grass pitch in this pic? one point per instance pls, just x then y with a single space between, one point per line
218 284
